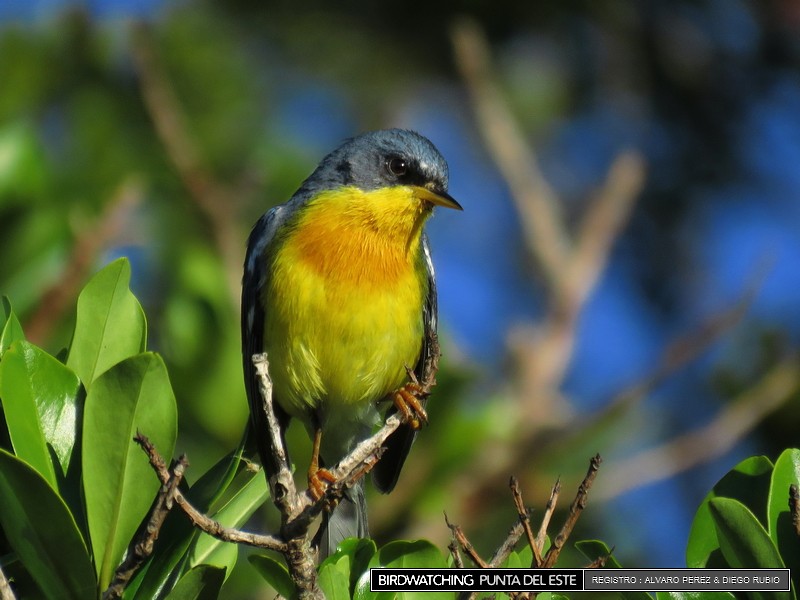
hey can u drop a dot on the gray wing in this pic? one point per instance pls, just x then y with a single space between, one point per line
398 445
253 284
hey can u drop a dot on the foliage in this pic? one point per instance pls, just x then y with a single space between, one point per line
75 486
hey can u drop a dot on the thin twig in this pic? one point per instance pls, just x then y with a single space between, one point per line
600 561
508 545
6 593
525 520
466 545
142 546
201 521
794 507
575 510
453 547
552 501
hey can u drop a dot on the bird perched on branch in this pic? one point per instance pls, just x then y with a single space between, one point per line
339 291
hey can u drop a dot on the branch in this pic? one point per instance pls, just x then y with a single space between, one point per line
215 201
794 507
735 420
142 546
6 593
522 526
575 511
200 520
525 520
536 201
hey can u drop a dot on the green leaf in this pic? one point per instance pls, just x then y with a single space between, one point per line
275 573
357 552
10 330
334 579
110 324
43 533
411 555
119 484
204 582
404 554
210 550
779 518
42 403
744 542
747 482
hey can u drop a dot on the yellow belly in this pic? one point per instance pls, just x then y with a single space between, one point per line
344 316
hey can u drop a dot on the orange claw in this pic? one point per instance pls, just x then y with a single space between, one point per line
407 401
318 478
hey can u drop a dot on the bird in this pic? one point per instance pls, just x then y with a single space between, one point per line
339 291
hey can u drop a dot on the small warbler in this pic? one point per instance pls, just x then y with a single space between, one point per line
339 291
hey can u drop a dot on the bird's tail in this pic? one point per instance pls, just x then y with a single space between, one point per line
348 519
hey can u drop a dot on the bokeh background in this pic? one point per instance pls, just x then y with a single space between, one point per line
625 278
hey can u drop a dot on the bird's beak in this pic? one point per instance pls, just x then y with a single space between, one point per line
436 197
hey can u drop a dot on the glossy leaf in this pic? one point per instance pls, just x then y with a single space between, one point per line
10 328
275 573
411 555
42 403
334 579
43 533
119 484
357 553
779 518
744 542
204 582
404 554
110 324
747 482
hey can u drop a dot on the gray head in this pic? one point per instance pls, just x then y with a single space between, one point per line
378 159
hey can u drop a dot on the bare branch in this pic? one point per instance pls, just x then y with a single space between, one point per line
6 593
794 507
524 519
201 521
466 545
552 501
515 158
575 510
142 546
735 420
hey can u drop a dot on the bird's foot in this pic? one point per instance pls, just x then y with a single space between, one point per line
407 399
318 481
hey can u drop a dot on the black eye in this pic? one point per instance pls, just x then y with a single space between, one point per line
397 166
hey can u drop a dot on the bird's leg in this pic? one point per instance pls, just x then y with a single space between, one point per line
407 400
318 478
